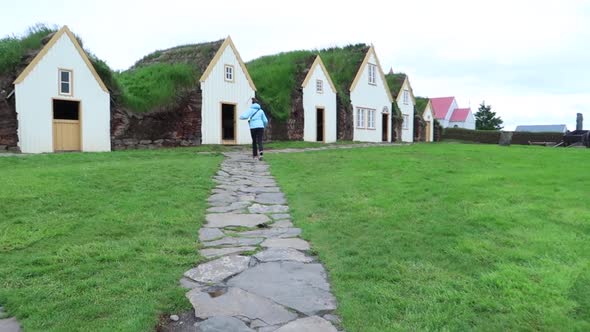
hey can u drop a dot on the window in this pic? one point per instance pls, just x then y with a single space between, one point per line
406 123
371 119
372 70
319 86
406 96
360 117
65 82
229 73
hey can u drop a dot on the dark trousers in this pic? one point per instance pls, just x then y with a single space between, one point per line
257 134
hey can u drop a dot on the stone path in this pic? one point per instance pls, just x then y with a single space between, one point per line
8 324
260 276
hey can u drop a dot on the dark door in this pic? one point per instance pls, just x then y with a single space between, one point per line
228 123
319 124
385 127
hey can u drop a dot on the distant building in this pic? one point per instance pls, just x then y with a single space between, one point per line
448 113
560 128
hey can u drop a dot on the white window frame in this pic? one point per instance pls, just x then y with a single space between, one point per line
406 96
406 122
371 118
319 86
69 82
360 117
372 74
229 69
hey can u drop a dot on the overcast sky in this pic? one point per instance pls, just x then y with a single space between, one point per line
529 59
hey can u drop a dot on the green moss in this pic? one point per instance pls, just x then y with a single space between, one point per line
155 85
343 64
395 83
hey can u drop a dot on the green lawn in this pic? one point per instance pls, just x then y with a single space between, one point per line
97 242
448 236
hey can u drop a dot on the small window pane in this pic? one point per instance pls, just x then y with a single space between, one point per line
65 76
65 88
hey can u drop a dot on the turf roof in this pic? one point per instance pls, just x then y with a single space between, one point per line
421 103
395 82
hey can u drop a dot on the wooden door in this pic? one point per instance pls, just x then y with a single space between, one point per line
66 135
427 138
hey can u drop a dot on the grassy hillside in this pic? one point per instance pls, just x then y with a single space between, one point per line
395 82
460 238
421 103
277 76
343 64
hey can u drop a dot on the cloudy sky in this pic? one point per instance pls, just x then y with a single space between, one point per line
529 59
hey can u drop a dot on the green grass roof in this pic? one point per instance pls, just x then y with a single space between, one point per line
421 103
154 81
277 76
395 82
13 49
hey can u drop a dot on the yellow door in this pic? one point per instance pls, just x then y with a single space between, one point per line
427 132
66 135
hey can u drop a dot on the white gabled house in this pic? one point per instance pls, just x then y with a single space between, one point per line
428 116
402 91
227 91
61 102
319 104
371 101
450 115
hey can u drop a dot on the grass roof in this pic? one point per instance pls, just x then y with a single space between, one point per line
157 78
395 82
277 76
13 49
421 103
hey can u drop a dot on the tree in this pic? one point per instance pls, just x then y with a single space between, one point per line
485 119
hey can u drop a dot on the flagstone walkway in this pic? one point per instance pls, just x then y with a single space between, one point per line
259 275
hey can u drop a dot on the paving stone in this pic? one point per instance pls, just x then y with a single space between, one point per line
217 252
298 244
9 325
271 198
233 207
280 216
190 284
257 208
234 241
308 324
221 220
282 254
219 269
247 198
209 234
300 286
282 224
238 302
259 190
332 318
223 324
257 323
272 233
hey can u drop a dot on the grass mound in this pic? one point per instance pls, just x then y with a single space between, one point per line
343 64
395 83
13 48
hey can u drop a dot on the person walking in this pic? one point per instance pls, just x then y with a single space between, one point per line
258 121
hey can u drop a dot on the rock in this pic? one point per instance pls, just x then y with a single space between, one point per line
271 198
190 284
257 323
234 241
238 302
280 216
505 138
219 269
9 325
259 190
223 324
222 174
208 234
212 253
233 207
145 141
233 219
282 254
174 318
257 208
308 324
333 319
284 232
268 328
298 244
246 198
282 224
222 198
300 286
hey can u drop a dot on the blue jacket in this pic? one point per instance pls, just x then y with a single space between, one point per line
259 119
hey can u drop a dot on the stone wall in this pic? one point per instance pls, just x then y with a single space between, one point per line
419 129
290 129
175 125
8 125
345 118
